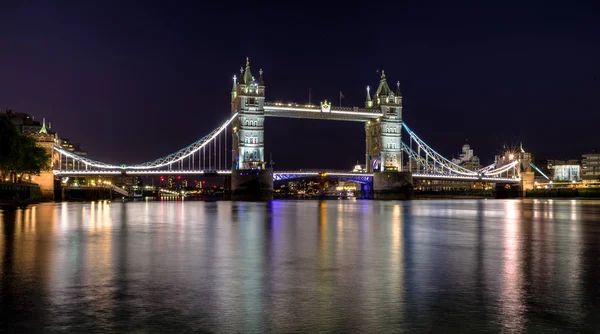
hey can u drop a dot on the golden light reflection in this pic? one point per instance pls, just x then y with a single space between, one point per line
340 229
512 302
322 226
324 280
397 256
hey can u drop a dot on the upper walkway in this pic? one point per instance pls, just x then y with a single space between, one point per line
330 112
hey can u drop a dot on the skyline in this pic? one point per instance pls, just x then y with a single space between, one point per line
117 87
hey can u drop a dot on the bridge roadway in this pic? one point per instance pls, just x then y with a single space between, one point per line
294 110
286 175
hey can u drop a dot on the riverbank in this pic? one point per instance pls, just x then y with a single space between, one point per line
19 194
587 193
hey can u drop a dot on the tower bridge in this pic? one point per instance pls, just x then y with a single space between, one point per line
236 148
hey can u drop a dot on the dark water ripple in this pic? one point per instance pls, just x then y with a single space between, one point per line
302 266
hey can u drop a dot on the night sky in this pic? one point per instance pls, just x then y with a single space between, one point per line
135 81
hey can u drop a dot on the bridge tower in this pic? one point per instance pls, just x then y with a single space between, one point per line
525 170
46 179
250 178
383 144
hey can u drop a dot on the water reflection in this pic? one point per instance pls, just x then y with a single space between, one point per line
302 266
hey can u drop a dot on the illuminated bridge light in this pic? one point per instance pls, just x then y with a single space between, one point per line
430 164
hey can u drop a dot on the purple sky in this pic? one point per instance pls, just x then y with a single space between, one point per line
133 83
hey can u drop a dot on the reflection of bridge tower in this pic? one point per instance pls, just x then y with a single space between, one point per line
249 177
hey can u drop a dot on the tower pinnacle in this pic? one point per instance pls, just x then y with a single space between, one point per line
261 82
368 102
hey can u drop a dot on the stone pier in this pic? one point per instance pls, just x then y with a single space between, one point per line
252 185
527 181
393 185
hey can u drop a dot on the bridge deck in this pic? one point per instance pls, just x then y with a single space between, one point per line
282 175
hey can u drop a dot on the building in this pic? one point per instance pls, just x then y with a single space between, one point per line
567 173
552 167
24 123
72 147
590 166
467 159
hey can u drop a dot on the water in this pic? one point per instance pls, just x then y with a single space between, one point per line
302 266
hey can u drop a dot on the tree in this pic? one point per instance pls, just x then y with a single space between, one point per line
19 154
32 159
9 146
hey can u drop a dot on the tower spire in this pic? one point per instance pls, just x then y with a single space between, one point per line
247 74
43 129
398 93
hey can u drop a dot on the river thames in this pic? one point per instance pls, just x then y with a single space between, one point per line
302 266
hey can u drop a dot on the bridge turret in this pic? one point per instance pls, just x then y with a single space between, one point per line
261 82
234 89
398 94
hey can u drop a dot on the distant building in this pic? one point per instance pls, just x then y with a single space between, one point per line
358 168
590 166
467 159
23 122
68 145
552 164
567 173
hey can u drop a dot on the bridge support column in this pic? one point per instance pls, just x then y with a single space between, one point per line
47 183
393 185
527 181
252 185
